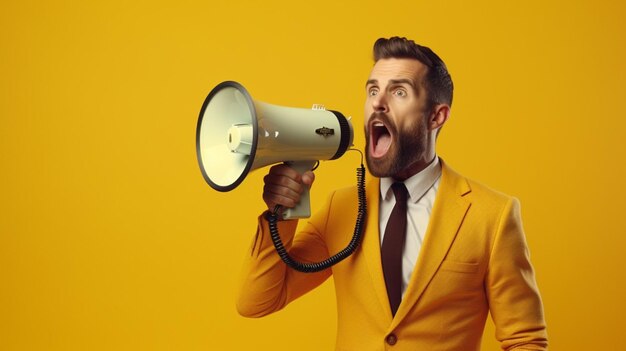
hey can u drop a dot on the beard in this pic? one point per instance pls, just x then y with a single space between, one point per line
408 148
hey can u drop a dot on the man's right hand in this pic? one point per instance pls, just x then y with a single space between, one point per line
283 186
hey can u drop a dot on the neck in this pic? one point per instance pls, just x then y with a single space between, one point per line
415 167
426 158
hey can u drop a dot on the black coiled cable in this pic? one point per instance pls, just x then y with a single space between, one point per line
338 257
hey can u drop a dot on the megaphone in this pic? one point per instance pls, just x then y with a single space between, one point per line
236 135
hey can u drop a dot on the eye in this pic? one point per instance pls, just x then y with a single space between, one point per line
372 91
400 92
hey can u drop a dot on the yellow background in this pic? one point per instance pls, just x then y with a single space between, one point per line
111 240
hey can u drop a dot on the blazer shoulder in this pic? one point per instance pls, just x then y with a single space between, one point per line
340 200
484 191
350 193
341 196
474 190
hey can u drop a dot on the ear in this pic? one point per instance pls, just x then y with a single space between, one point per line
439 116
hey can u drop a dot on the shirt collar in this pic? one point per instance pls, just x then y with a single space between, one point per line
417 185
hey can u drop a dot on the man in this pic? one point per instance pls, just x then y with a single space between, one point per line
432 264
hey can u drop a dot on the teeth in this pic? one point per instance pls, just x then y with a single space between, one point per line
378 124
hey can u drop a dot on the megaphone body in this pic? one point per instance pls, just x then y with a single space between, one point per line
236 135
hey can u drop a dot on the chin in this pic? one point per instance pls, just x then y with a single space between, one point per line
394 164
380 167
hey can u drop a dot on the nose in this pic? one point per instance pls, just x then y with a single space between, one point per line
379 102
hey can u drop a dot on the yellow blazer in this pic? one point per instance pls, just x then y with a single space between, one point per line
473 260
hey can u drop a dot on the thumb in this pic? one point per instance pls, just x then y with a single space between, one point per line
308 178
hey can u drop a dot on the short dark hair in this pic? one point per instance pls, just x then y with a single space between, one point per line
438 81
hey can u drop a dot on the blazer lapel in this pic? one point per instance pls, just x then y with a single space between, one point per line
448 213
371 246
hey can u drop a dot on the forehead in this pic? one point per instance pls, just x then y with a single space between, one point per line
398 68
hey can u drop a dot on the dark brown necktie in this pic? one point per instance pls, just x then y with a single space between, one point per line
393 245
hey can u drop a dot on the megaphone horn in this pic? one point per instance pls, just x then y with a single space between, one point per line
236 135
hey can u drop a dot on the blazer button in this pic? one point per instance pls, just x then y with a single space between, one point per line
391 339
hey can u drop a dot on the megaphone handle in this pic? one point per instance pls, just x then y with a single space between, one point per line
302 208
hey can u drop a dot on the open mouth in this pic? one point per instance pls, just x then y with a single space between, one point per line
380 139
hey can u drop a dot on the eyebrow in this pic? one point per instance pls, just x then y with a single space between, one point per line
392 82
371 81
402 81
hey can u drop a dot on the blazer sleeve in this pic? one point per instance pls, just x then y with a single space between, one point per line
267 284
514 300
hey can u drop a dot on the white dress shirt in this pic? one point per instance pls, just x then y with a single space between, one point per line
422 188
